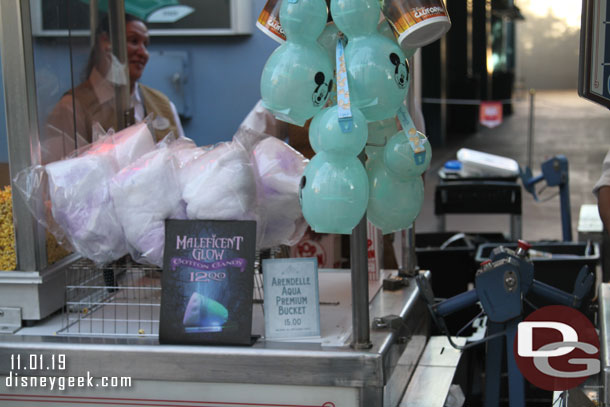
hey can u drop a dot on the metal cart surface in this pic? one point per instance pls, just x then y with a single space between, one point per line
268 373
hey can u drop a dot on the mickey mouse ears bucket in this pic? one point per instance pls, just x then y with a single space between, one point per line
417 22
269 21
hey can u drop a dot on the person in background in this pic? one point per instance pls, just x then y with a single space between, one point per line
602 191
69 126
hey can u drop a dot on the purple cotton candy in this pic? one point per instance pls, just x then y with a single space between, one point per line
82 207
280 168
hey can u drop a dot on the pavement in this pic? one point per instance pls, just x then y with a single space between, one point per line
564 124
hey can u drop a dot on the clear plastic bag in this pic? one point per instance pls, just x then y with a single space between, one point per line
146 193
113 196
218 183
258 125
75 193
279 170
126 146
81 206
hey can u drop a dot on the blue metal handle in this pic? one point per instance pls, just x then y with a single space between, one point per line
554 295
529 181
584 282
454 304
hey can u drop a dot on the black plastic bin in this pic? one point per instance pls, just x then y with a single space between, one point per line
453 266
561 269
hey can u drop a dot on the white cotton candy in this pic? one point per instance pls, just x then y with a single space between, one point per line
127 145
82 207
218 183
80 192
280 168
132 143
144 195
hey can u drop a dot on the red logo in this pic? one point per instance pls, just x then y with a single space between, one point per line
310 248
556 348
490 114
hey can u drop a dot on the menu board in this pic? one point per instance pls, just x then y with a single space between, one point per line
208 278
594 66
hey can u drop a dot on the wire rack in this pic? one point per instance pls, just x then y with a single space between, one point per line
122 299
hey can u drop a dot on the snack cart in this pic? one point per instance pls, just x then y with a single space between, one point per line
371 340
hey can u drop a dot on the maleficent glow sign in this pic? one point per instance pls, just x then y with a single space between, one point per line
207 282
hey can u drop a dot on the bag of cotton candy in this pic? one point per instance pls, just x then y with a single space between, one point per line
218 183
279 168
76 190
81 206
145 193
79 189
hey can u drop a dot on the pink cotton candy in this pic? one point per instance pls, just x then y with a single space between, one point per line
279 168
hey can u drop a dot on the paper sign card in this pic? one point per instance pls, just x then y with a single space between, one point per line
208 278
292 307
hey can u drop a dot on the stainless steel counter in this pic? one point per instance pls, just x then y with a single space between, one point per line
268 373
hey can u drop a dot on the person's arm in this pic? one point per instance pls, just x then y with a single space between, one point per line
602 191
603 205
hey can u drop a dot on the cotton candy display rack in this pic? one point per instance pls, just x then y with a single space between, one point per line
121 299
113 197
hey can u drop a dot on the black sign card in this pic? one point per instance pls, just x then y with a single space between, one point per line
207 282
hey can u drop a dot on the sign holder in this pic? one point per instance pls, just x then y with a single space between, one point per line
292 299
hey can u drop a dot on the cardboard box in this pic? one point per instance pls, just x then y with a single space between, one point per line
326 247
374 243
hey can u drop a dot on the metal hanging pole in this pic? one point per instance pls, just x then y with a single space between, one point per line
359 264
409 256
489 49
360 287
444 94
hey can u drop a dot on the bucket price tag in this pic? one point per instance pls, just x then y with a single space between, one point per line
346 122
416 138
292 307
